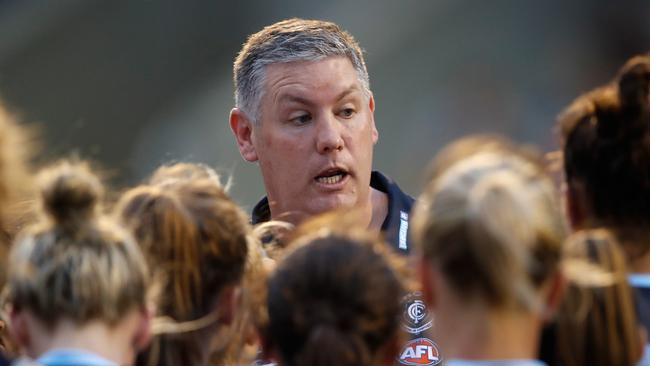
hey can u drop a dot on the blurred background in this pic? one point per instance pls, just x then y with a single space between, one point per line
133 84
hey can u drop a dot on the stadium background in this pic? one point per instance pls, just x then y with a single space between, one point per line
133 84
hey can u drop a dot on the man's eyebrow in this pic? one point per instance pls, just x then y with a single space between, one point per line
294 98
302 100
348 91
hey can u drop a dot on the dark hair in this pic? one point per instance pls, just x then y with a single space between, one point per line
334 300
74 263
606 146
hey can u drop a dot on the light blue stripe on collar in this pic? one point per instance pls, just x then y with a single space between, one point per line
639 280
72 356
458 362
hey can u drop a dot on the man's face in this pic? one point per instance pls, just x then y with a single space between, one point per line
315 137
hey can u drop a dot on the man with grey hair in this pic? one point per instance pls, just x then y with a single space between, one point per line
305 113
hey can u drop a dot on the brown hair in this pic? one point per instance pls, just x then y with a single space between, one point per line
333 300
490 221
195 237
605 136
74 263
253 315
596 323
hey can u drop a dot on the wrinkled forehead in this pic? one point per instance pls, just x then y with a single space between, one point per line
302 80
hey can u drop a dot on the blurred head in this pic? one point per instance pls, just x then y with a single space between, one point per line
596 323
195 238
334 300
243 342
605 136
172 173
74 265
305 113
489 227
274 236
15 179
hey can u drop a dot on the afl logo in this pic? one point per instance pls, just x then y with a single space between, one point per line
416 317
421 351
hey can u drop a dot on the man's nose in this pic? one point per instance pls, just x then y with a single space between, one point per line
329 138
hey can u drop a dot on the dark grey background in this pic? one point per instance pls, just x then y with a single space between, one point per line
133 84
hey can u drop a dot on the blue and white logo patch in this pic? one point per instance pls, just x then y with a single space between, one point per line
416 318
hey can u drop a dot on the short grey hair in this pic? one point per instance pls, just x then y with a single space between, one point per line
290 41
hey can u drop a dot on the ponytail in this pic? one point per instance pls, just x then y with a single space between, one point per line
606 147
328 346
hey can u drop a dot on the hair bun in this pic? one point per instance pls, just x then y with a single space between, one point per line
70 192
634 82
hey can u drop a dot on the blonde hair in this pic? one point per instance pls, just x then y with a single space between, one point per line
15 151
74 263
596 323
491 223
15 180
172 173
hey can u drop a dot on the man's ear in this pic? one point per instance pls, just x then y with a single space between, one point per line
371 107
242 128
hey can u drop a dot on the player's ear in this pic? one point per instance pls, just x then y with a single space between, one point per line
18 323
143 335
242 128
426 275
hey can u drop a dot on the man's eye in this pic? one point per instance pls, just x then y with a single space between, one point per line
301 119
347 112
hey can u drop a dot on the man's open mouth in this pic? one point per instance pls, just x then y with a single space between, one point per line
331 176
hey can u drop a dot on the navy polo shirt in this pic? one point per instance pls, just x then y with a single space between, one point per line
394 227
416 320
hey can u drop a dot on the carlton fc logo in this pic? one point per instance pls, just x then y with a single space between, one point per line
416 317
421 351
